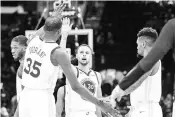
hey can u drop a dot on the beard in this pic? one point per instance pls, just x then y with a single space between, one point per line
139 56
83 63
20 55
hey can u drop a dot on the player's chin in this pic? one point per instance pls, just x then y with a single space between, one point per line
16 58
84 63
139 56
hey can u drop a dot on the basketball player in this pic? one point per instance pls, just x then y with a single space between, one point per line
41 66
89 79
145 99
18 47
83 71
15 47
163 44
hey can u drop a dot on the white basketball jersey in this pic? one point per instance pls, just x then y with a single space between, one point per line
149 90
18 86
73 101
38 71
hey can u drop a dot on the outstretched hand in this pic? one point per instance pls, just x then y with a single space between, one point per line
107 108
66 26
59 9
117 93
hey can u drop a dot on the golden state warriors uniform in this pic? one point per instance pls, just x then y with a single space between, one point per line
77 106
145 99
39 79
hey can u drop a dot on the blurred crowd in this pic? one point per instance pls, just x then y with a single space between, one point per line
104 41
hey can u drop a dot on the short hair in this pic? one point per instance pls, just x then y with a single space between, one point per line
148 32
86 46
21 39
53 23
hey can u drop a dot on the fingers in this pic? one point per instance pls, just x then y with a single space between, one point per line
117 113
66 21
113 103
60 8
119 98
71 25
106 99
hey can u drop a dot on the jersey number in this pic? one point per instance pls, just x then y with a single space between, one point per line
36 71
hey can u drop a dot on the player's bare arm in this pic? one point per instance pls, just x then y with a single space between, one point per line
137 84
152 72
62 58
66 28
60 101
134 86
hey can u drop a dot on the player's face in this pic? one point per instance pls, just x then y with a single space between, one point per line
17 50
140 47
83 55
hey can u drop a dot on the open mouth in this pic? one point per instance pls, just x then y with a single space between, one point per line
83 58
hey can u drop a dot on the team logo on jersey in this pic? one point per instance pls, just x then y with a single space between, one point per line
89 84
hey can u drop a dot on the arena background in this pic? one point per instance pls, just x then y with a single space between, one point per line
115 25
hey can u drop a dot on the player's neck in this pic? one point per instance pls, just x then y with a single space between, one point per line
21 60
144 55
146 52
84 68
48 38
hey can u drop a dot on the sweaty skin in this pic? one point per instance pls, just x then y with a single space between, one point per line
164 43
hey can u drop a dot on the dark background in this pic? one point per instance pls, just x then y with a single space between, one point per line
115 26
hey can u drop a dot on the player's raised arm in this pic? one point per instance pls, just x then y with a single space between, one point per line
66 28
63 60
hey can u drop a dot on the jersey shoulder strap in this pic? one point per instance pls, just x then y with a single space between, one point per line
77 71
55 49
97 77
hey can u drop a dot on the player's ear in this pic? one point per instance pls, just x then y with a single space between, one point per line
144 44
24 48
58 33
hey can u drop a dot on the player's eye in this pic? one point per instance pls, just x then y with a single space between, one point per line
14 48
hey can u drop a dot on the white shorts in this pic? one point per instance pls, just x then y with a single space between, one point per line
147 110
82 114
37 103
